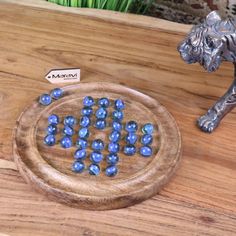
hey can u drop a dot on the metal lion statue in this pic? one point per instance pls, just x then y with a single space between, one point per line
209 44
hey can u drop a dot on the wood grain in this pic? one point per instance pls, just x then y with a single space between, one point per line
49 168
111 16
200 199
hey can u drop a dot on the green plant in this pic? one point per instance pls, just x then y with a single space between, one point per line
134 6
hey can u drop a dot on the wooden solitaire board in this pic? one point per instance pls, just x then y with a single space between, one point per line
48 169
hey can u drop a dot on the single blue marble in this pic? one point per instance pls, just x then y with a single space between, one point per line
66 142
96 157
104 102
53 119
88 101
131 138
78 166
100 124
50 140
113 147
117 126
98 145
86 111
56 93
145 151
70 120
129 150
101 113
45 99
80 154
111 170
146 139
94 169
85 121
52 129
81 143
117 115
119 104
112 158
131 126
148 128
68 130
115 136
83 133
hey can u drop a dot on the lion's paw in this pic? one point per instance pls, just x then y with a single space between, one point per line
208 122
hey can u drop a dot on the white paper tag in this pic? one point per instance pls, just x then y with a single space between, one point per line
56 76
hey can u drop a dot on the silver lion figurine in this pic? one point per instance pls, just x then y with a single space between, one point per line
209 44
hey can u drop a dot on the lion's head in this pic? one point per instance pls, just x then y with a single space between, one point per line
206 42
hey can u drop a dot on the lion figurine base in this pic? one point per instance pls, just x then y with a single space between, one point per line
209 44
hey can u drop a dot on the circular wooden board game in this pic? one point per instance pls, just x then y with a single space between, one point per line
48 169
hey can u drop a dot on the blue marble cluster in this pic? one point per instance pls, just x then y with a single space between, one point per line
68 131
146 140
50 138
96 156
83 134
101 113
131 127
112 158
115 136
46 99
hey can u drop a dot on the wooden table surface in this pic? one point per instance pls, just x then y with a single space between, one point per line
201 197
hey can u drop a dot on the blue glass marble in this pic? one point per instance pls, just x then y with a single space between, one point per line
119 104
82 143
113 147
66 142
148 128
112 158
80 154
117 115
70 120
131 138
88 101
50 140
145 151
86 111
98 145
96 157
94 169
115 136
83 133
101 113
100 124
53 119
56 93
131 126
68 130
78 166
52 129
85 121
129 150
111 171
104 102
146 139
116 125
45 99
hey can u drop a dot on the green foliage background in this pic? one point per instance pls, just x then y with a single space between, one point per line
134 6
